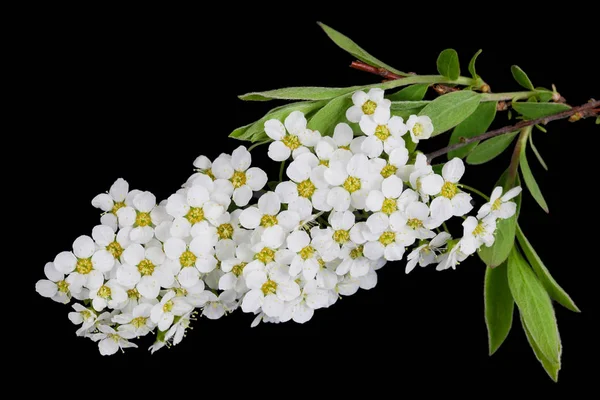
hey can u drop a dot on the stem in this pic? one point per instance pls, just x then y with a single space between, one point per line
586 109
281 171
513 168
255 145
472 189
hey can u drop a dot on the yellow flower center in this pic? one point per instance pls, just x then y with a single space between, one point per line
321 263
225 231
266 256
352 184
195 215
187 259
238 179
268 220
291 141
497 204
369 107
341 236
389 206
143 219
414 223
104 292
180 292
146 267
269 287
117 207
63 286
382 132
388 171
449 190
238 269
356 253
324 162
84 266
139 322
307 252
387 238
479 229
133 294
210 174
417 129
86 314
168 306
345 147
306 188
115 249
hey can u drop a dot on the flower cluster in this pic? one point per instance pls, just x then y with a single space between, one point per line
352 203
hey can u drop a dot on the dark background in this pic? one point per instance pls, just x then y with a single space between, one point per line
140 97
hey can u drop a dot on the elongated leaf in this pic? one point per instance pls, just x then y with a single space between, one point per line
327 117
299 93
553 288
448 64
410 93
351 47
490 149
255 132
505 233
550 367
499 306
472 69
521 77
535 306
536 152
451 109
539 110
476 124
408 105
531 183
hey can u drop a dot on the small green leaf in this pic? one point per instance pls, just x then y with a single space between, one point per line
299 93
408 105
410 93
531 183
521 77
472 69
553 288
539 110
476 124
536 152
499 306
490 149
451 109
544 95
535 306
239 132
448 64
505 233
328 117
550 367
351 47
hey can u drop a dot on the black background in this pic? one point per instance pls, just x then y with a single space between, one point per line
140 96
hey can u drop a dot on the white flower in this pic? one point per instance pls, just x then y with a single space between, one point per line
269 291
191 207
424 180
112 202
452 257
353 262
110 341
110 294
337 147
476 233
189 260
395 165
451 201
382 136
142 216
84 266
306 258
143 270
84 317
500 206
215 307
176 333
353 179
169 307
383 203
236 169
329 241
113 244
137 323
372 104
425 254
234 268
55 287
420 128
293 142
302 309
307 184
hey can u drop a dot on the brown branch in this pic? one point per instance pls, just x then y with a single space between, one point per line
586 110
384 73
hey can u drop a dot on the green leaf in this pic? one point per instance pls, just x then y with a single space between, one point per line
448 64
476 124
505 233
299 93
536 152
239 132
539 110
597 120
535 306
530 181
553 288
451 109
490 149
351 47
327 117
499 306
410 93
472 69
408 105
550 367
521 77
255 132
544 95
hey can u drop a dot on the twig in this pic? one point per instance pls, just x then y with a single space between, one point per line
586 110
